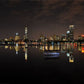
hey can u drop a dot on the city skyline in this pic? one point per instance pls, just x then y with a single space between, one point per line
68 35
42 17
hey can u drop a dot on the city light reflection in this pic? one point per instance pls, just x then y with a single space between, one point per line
82 49
26 55
67 48
71 59
6 47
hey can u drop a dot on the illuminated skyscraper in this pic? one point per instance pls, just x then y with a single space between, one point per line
17 37
26 38
26 32
70 33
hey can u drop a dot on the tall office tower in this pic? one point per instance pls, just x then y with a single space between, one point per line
70 33
26 32
71 28
17 37
26 37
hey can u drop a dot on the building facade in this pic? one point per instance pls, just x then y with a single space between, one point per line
70 33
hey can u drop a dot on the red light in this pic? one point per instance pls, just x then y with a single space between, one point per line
82 35
75 44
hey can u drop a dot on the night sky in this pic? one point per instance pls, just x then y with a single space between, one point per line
46 17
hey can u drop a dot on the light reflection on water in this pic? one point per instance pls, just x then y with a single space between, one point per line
66 48
30 61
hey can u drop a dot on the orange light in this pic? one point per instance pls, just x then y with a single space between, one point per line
82 44
82 35
71 60
82 49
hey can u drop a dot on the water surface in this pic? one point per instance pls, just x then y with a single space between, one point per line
20 64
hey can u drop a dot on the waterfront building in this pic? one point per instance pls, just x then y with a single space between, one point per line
17 37
63 37
81 37
42 38
51 38
45 38
56 37
6 39
11 39
70 33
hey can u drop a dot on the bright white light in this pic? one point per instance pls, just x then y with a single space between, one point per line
71 25
68 54
68 32
17 34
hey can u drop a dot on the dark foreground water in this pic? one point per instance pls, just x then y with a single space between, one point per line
30 65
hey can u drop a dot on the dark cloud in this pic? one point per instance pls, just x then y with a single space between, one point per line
62 10
74 12
44 13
